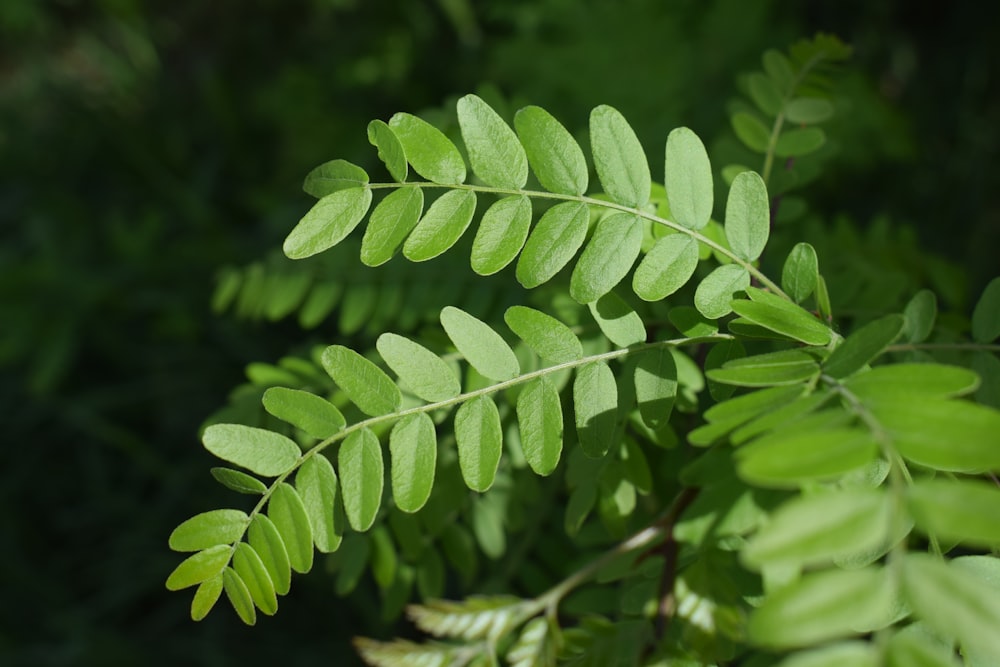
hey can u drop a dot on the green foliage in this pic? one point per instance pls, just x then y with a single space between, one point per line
747 472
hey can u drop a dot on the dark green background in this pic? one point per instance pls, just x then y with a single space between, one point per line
143 145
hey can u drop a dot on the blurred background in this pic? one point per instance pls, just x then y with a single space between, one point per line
145 145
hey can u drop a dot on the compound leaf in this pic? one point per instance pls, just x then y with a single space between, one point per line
428 150
442 225
595 404
199 567
480 440
365 384
688 179
540 423
362 477
251 569
550 339
239 596
495 153
714 295
328 222
317 485
501 235
288 513
655 386
424 373
800 274
390 150
302 409
607 258
618 157
554 155
258 450
209 529
332 176
555 239
864 345
265 539
412 461
476 617
481 346
390 223
748 216
666 268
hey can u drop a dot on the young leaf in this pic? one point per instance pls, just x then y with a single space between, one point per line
239 481
265 539
655 386
920 313
714 295
688 179
902 382
251 570
787 459
618 157
550 339
473 618
501 235
390 150
558 235
595 404
390 223
206 596
199 567
494 151
782 316
480 440
428 150
362 476
424 373
618 320
309 412
481 346
803 141
540 423
264 452
239 596
986 315
748 216
442 225
863 346
209 529
365 384
412 459
751 131
286 510
555 157
328 222
316 483
800 274
808 110
607 258
766 370
333 176
957 510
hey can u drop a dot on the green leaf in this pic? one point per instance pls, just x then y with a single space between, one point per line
206 596
428 150
840 654
442 225
751 131
714 295
384 561
957 510
986 315
796 143
476 617
821 606
239 596
688 179
549 338
911 648
655 386
328 222
479 437
790 414
618 320
286 510
390 223
987 366
540 423
501 235
748 406
666 268
766 370
920 313
256 449
595 404
316 483
251 570
200 567
424 373
782 316
862 346
265 539
904 382
787 459
302 409
691 323
209 529
820 527
779 69
412 458
748 216
390 150
765 94
618 157
800 274
607 258
365 384
400 652
555 239
555 157
953 602
239 481
332 176
808 110
495 153
362 476
536 646
950 435
482 347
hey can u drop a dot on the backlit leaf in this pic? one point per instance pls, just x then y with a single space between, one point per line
239 596
480 439
555 157
608 257
476 617
748 216
618 320
666 268
501 235
986 315
390 223
365 384
765 370
920 313
782 316
751 131
265 539
800 272
495 153
412 461
540 423
428 150
715 292
317 485
618 157
808 110
288 513
907 381
390 150
655 386
332 176
556 237
957 510
799 142
307 411
481 346
362 476
209 529
199 567
595 404
328 222
258 450
789 459
251 569
688 179
443 224
424 373
862 346
747 406
550 339
239 481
